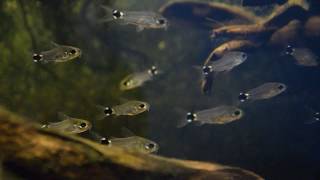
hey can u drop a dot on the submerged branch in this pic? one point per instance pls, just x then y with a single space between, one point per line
41 153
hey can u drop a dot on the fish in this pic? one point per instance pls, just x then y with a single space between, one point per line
130 108
303 56
69 125
247 30
218 115
131 143
315 118
138 79
60 53
264 91
232 45
226 63
207 81
141 19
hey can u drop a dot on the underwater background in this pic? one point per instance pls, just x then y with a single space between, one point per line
272 139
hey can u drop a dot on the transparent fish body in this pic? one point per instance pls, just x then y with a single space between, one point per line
137 79
305 57
70 125
141 19
219 115
58 54
228 61
130 108
135 143
148 20
266 91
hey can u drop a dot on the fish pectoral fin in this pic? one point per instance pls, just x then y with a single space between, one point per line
54 44
125 132
63 116
139 28
198 123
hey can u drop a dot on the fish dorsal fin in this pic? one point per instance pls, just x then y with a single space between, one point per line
125 132
63 116
54 44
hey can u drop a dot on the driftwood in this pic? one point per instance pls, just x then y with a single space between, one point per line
232 45
312 27
35 152
200 13
287 34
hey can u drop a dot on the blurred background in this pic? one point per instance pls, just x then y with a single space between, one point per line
272 139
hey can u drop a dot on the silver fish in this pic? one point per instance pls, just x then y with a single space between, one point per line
69 125
141 19
264 91
303 56
134 143
226 63
217 115
130 143
60 53
130 108
138 79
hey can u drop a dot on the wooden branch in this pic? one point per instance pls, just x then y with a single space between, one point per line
36 152
232 45
194 12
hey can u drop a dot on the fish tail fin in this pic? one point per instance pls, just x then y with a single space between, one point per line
108 15
303 3
181 123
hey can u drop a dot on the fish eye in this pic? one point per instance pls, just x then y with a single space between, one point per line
37 57
280 87
161 21
244 56
117 14
242 97
150 146
108 111
153 70
316 116
191 117
73 51
83 125
237 113
289 50
141 106
105 141
206 69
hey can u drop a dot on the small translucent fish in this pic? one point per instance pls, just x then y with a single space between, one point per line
130 108
137 79
303 56
264 91
217 115
206 82
69 125
141 19
131 143
59 53
226 63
